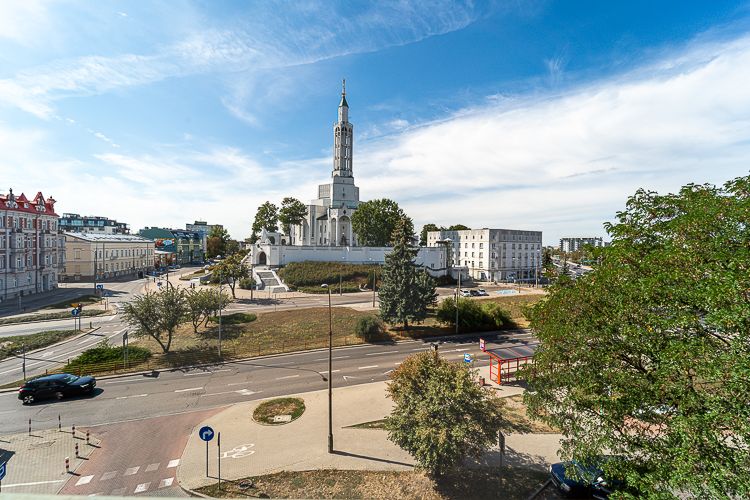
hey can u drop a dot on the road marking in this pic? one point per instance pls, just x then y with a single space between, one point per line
377 353
194 374
288 376
238 383
134 396
335 357
107 476
347 377
126 381
84 480
420 349
389 371
152 467
190 389
34 484
118 492
326 372
173 463
45 354
366 367
142 487
461 350
132 470
85 341
241 392
165 483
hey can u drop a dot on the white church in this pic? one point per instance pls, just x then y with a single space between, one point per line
326 234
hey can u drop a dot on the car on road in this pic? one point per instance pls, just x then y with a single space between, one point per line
465 293
474 293
482 292
55 386
586 480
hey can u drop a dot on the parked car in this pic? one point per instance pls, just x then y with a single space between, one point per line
482 292
465 293
55 386
590 480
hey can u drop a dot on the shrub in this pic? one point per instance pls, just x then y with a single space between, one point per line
103 353
368 327
474 315
234 319
445 280
246 283
500 317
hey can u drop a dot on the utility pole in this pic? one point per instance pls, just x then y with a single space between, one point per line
330 371
458 294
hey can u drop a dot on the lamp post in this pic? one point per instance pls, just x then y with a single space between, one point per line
221 306
330 379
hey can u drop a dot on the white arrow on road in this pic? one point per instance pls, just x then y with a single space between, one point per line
347 377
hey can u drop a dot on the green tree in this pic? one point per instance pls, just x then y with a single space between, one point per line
157 314
233 247
458 227
374 222
265 218
202 303
231 270
216 242
405 291
648 356
441 415
423 235
292 213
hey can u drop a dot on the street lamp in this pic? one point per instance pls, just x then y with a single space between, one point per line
330 379
221 306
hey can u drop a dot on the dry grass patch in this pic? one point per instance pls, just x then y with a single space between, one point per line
266 411
518 419
510 483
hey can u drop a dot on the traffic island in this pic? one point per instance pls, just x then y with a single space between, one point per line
279 411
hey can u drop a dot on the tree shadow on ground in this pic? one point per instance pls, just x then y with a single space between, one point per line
490 482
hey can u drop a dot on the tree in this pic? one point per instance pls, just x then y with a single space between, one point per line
458 227
216 242
231 270
292 213
423 235
374 222
441 415
265 218
405 291
233 247
157 314
648 355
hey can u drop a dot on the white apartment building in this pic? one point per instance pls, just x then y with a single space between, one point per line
112 255
493 254
31 250
568 245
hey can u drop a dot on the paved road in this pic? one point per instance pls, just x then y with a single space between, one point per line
184 390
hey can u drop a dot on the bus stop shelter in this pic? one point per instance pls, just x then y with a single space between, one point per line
505 361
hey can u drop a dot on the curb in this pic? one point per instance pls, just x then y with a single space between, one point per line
56 319
191 492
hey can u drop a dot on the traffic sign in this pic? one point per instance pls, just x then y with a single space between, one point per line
481 345
206 433
100 287
468 358
2 470
75 312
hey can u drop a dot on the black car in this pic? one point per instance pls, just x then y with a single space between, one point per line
590 480
55 386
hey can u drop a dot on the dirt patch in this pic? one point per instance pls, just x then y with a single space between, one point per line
510 483
279 411
518 419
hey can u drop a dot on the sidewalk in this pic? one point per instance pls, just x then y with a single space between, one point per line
36 462
251 449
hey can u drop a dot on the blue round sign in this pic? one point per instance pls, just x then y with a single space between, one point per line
206 433
74 312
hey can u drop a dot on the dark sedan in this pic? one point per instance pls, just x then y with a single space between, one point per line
589 480
55 386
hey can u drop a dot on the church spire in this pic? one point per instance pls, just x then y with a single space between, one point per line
343 102
343 137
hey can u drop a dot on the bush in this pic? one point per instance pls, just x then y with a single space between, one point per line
234 319
246 283
108 354
368 327
474 315
445 280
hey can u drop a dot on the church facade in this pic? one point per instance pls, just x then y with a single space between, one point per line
329 216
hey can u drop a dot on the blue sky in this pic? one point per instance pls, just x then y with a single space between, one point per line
529 115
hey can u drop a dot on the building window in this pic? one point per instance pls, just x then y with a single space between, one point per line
77 254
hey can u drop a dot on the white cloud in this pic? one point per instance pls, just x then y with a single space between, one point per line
23 21
565 164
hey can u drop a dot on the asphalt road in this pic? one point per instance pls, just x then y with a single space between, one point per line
185 390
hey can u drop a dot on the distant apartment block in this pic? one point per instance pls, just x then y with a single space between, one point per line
175 246
492 254
31 250
74 223
95 257
203 228
568 245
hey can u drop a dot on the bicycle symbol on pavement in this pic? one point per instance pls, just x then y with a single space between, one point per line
239 451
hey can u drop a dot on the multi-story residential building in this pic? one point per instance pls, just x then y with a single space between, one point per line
568 245
493 254
175 246
31 250
203 228
74 223
95 257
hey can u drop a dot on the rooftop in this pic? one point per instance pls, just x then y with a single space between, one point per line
122 238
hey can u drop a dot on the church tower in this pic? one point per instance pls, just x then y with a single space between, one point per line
343 137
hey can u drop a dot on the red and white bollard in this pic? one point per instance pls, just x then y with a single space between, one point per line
76 450
87 436
67 465
73 431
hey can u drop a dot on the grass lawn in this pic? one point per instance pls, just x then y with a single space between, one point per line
266 411
85 299
509 483
518 420
197 274
10 345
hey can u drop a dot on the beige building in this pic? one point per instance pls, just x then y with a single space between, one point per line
31 250
493 254
112 255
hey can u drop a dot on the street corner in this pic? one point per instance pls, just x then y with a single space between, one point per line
41 462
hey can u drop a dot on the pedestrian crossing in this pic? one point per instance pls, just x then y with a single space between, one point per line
140 477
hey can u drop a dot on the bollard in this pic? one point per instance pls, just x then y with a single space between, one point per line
67 465
87 436
59 423
29 427
77 450
73 431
